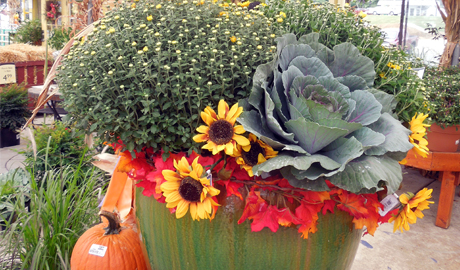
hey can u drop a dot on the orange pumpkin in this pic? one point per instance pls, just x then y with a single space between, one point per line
113 247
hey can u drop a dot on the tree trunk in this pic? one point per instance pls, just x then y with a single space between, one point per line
452 21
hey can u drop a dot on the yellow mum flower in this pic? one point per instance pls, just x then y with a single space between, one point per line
221 132
362 14
418 129
186 188
282 14
412 209
158 6
233 39
280 20
149 18
256 152
133 5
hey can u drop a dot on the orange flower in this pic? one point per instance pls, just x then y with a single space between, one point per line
233 39
221 132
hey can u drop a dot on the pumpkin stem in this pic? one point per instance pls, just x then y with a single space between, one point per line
114 222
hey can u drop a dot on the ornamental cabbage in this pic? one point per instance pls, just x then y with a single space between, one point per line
317 107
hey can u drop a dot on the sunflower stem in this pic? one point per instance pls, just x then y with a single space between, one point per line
218 161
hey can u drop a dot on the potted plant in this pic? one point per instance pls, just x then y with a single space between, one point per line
29 32
13 113
219 127
442 104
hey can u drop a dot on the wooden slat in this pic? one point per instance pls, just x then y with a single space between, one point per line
436 161
446 199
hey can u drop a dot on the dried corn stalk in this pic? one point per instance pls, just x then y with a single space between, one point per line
452 20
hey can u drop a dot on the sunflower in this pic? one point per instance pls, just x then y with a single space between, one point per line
255 153
221 132
412 209
186 187
418 129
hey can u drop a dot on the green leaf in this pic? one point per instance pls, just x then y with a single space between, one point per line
311 136
292 51
396 136
365 173
367 108
310 66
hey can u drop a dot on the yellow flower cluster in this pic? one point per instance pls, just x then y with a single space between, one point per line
412 207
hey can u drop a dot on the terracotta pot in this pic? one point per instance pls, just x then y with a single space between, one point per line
224 244
443 140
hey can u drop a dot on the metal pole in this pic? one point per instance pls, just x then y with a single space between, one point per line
401 23
405 25
90 12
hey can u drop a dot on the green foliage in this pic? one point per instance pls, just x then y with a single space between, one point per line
334 26
146 81
60 37
11 183
314 106
13 106
442 95
29 32
60 211
58 145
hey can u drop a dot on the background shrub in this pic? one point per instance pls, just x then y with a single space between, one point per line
336 25
150 67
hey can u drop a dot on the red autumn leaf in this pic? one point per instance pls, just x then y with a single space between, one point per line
308 215
315 197
328 205
353 204
149 188
231 187
386 217
287 218
266 217
254 204
370 221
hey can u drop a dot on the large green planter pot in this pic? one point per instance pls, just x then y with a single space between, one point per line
174 244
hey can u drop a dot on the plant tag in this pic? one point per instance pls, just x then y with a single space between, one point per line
389 203
97 250
209 177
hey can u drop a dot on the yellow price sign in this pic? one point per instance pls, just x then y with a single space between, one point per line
7 73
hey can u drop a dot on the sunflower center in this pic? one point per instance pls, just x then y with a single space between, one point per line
252 157
190 189
221 132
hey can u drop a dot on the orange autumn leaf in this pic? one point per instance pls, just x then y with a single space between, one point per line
286 218
315 196
308 216
352 203
253 205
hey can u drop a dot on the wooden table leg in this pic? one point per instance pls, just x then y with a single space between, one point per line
446 199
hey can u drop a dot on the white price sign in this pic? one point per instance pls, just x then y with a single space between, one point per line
7 73
97 250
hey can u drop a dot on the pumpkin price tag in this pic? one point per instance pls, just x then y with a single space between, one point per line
97 250
389 203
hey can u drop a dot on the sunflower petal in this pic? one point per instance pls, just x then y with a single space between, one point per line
222 109
239 129
201 138
229 148
193 211
231 113
241 140
170 175
236 115
169 186
182 208
208 119
203 129
173 196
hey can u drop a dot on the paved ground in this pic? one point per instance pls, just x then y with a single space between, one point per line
424 247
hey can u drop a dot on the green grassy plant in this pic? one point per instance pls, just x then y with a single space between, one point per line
42 235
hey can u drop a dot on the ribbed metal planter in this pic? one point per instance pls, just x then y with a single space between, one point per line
184 244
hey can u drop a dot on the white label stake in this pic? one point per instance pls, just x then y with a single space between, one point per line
389 203
97 250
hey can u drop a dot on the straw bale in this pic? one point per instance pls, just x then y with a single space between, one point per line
9 56
23 52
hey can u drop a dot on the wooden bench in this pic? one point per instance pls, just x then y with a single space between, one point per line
448 164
